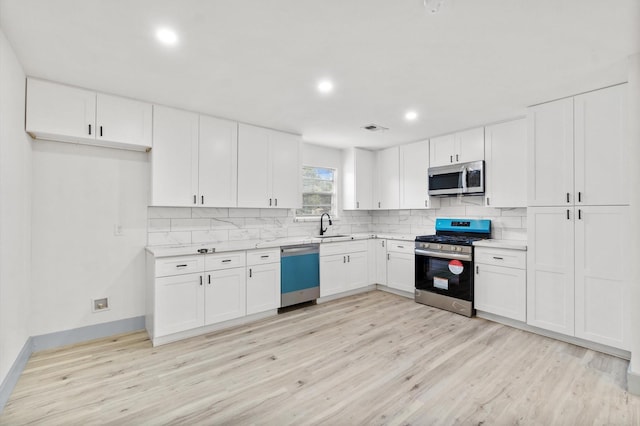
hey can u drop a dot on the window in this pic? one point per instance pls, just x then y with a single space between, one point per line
318 192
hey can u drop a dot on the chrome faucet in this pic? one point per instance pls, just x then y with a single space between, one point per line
322 228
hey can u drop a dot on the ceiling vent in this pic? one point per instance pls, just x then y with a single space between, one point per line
375 128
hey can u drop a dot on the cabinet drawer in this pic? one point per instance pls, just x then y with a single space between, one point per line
260 257
179 265
232 259
501 257
328 249
401 246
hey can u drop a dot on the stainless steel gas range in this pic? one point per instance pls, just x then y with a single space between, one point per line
444 264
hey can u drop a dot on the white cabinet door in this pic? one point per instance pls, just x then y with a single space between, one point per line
550 269
225 295
174 158
357 179
388 179
123 121
179 303
263 288
602 264
414 181
550 153
441 150
506 164
401 271
601 176
254 187
218 162
60 112
332 274
380 262
469 145
285 170
357 270
501 291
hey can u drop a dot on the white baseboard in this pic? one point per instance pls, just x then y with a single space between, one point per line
633 382
14 373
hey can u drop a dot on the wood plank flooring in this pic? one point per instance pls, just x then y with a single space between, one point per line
373 358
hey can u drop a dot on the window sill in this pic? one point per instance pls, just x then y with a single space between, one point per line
314 219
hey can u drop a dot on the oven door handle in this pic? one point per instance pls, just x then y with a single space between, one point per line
458 256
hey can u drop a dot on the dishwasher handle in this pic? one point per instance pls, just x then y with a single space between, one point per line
299 250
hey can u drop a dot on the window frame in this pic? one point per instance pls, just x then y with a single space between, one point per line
334 194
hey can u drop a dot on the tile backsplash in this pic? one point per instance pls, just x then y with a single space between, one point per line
185 225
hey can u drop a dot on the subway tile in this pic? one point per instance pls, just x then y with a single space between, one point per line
516 211
218 223
273 233
244 234
514 234
234 212
274 212
210 236
480 211
209 212
168 238
159 225
190 224
253 222
169 212
506 222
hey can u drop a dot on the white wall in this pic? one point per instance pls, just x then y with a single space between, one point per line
80 193
15 210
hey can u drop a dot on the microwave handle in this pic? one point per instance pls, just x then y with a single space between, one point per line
464 179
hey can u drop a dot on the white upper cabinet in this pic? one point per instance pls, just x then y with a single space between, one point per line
269 173
174 158
123 121
218 162
387 179
550 132
601 175
68 114
357 179
414 181
460 147
587 131
506 164
194 159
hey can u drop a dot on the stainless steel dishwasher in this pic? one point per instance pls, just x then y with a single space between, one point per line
299 274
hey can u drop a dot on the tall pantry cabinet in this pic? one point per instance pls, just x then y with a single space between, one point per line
578 210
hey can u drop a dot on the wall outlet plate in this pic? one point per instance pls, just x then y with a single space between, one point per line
99 305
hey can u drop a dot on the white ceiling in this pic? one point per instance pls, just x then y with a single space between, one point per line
259 61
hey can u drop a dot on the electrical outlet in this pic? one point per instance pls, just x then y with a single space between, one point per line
100 304
117 230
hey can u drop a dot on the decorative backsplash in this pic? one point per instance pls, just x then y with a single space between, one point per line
185 225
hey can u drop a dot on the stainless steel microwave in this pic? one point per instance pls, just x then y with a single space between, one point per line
457 179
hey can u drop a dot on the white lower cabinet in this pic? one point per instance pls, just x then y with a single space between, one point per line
344 266
577 283
401 265
263 280
225 295
179 303
379 262
500 284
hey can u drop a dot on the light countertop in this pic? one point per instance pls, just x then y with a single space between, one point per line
190 249
505 244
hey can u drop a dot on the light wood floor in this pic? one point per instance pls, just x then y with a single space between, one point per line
374 358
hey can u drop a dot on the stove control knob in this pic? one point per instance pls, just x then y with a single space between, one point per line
456 248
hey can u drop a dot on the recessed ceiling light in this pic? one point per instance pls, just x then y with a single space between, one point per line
325 86
411 115
167 36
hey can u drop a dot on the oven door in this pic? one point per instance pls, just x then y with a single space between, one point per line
447 274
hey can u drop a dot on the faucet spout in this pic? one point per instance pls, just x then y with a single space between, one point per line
322 228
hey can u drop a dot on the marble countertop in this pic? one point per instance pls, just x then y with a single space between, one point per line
190 249
505 244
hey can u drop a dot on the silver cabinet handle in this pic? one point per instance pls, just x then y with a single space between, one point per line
344 259
100 131
425 203
382 243
269 202
379 204
264 256
579 214
400 246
